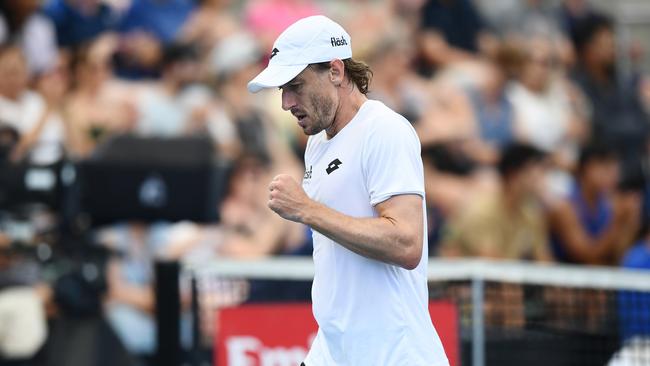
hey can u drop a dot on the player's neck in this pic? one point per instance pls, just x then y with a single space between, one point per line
350 103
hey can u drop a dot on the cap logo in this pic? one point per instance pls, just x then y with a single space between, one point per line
338 41
274 52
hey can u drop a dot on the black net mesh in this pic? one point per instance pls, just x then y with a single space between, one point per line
552 325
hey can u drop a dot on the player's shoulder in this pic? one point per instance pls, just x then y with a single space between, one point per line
382 121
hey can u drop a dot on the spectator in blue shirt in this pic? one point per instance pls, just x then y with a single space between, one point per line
634 307
78 21
634 310
596 222
163 19
146 29
451 31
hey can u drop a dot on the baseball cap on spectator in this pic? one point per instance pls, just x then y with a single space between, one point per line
310 40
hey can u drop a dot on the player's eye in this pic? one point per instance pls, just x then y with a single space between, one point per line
293 87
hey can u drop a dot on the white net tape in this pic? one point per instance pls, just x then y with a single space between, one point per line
292 268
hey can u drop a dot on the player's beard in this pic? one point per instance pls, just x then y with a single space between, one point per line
322 114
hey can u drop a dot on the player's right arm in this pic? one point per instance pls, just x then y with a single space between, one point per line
395 236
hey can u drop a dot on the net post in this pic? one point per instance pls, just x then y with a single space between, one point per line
196 320
478 325
168 308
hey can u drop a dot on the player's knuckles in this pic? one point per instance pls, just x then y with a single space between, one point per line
285 179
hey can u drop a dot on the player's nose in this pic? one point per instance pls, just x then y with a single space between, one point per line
288 100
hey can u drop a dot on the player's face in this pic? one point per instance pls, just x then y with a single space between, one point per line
310 97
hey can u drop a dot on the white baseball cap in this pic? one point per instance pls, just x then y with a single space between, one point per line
310 40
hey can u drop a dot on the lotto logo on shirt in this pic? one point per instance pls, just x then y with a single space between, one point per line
332 166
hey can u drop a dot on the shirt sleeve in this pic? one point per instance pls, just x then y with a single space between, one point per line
391 163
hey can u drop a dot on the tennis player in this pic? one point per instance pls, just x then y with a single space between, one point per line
363 196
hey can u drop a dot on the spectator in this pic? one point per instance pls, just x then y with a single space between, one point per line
618 116
130 301
42 133
170 107
571 13
451 31
633 308
163 19
146 29
80 21
494 115
209 24
394 83
48 140
98 105
523 18
550 113
235 61
452 181
527 19
21 23
380 20
593 223
546 116
252 231
449 116
453 147
508 224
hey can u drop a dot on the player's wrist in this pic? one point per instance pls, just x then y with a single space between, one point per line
307 213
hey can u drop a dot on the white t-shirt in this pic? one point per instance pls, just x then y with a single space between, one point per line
543 118
24 114
369 313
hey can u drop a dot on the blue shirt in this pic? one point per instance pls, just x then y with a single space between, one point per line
593 220
495 121
458 21
633 306
73 27
162 18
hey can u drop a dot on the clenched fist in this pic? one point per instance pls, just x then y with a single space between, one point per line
287 198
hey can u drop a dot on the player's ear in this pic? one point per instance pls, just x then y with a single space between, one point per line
337 71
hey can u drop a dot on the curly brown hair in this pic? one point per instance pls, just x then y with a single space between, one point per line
358 72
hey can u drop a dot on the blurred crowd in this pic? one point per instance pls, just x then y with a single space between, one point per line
534 136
